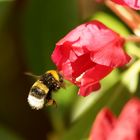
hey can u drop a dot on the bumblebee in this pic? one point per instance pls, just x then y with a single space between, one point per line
41 91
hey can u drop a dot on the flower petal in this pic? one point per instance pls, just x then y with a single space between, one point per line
111 55
85 90
82 64
57 55
90 80
103 125
128 125
131 3
88 53
61 54
67 70
104 44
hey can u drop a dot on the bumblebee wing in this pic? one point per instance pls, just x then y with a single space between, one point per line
32 75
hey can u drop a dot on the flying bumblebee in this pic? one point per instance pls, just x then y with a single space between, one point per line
41 91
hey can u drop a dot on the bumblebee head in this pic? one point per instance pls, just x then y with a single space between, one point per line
36 98
56 75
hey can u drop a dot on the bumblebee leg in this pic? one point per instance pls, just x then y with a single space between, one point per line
51 102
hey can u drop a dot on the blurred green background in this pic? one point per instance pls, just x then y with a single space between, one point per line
29 30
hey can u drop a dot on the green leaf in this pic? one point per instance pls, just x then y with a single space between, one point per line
65 98
133 49
130 77
115 97
83 103
111 22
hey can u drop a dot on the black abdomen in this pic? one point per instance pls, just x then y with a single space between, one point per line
37 92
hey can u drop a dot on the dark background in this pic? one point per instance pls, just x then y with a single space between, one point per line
29 30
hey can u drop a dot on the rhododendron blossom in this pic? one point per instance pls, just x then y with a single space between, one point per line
87 54
131 3
125 127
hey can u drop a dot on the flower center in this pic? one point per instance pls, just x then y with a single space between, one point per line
78 79
82 64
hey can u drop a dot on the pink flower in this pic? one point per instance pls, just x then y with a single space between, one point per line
87 54
131 3
125 127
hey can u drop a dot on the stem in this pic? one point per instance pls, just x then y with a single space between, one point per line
129 16
132 38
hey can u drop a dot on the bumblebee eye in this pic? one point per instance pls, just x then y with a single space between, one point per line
60 79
